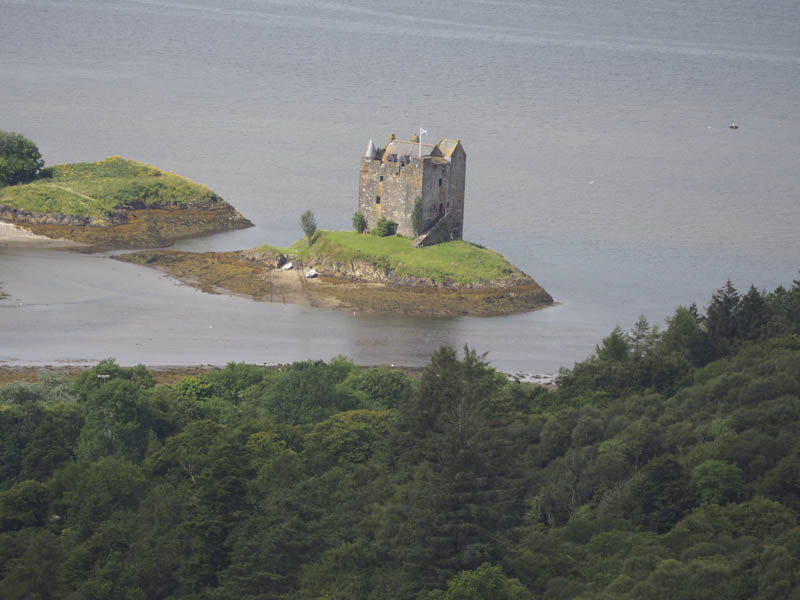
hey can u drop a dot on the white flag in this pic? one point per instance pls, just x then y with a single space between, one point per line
422 131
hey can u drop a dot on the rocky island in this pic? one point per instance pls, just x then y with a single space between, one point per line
116 203
361 272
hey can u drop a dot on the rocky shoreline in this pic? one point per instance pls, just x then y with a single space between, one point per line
129 229
120 216
362 271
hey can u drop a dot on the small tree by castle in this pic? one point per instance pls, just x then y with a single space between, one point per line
309 225
359 222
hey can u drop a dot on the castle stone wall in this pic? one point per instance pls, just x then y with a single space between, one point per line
458 172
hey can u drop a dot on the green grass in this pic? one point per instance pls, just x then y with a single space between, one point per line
95 189
459 261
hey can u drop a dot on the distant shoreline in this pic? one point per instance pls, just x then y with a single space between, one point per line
169 374
161 373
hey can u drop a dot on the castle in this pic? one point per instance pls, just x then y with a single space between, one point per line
393 178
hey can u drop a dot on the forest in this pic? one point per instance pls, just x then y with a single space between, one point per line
665 465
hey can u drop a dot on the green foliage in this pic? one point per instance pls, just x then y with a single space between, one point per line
416 216
52 442
384 227
720 319
97 189
20 161
661 494
686 338
359 222
309 225
108 485
487 582
346 438
24 505
378 388
35 571
307 392
454 437
458 261
615 347
117 422
717 481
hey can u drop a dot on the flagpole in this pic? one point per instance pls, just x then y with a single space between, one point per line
421 133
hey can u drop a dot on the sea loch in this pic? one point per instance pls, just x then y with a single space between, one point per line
601 159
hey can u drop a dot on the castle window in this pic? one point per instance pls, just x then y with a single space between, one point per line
440 182
377 199
382 179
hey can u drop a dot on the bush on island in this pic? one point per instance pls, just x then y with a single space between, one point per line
384 227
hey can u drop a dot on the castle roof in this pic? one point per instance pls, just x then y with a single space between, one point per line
440 153
446 147
412 149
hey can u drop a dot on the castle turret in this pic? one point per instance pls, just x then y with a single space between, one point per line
371 152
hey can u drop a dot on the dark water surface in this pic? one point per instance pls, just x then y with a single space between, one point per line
599 159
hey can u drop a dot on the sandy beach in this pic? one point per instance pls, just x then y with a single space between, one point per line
13 236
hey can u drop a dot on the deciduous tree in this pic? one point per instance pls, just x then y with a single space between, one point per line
20 161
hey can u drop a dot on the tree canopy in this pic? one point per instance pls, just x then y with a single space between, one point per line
20 160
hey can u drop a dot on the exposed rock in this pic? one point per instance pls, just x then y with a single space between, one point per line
133 226
133 229
268 258
21 216
366 272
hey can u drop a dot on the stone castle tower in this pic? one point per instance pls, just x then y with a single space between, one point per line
392 178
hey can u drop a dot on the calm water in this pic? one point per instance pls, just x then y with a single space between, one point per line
599 158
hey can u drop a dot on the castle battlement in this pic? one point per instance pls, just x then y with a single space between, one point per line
392 178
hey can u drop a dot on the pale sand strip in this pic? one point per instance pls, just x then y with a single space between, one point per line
13 236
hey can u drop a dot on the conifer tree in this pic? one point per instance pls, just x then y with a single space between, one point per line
464 476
